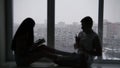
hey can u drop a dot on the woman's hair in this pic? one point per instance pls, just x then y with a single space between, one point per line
26 25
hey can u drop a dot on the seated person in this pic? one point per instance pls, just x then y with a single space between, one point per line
87 44
27 52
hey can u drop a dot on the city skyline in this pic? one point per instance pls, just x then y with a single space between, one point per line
64 38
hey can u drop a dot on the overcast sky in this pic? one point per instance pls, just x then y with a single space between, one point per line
67 11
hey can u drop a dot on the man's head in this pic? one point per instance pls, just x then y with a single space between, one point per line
87 24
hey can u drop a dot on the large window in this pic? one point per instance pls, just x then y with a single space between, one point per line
68 14
36 9
111 33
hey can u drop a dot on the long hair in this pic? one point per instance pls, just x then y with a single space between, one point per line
26 26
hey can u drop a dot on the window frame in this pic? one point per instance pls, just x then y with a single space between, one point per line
50 27
8 30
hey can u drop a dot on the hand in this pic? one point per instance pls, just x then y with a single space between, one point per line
76 37
40 41
75 46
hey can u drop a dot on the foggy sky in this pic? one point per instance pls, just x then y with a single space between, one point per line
67 11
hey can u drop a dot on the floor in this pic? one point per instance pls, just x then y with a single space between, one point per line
52 65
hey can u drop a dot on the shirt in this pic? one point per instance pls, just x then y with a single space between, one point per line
86 42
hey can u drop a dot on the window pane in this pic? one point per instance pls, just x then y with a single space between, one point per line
111 33
67 20
36 9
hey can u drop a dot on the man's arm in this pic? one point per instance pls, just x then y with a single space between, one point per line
97 48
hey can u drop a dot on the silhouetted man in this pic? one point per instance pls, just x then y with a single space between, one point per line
87 44
87 41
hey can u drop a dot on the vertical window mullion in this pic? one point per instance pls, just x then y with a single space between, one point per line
50 22
100 20
8 23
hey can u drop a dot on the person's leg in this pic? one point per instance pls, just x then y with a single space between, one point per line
33 56
52 50
44 51
67 60
74 61
39 52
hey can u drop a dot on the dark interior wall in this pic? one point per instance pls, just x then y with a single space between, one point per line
2 31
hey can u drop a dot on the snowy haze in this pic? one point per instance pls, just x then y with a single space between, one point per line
67 11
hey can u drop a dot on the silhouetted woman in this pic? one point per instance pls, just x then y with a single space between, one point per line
26 51
23 40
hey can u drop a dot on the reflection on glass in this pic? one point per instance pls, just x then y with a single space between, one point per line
68 14
111 33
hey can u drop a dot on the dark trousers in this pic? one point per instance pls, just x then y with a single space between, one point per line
68 59
59 57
